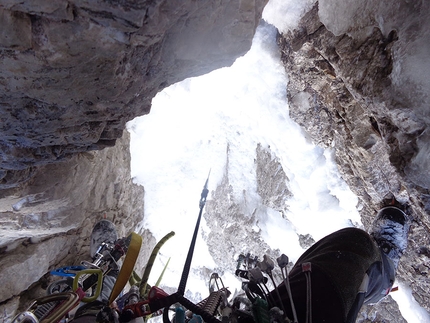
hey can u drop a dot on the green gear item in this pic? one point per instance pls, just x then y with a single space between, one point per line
143 284
260 310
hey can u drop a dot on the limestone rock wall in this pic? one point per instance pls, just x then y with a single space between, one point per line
47 223
356 83
72 73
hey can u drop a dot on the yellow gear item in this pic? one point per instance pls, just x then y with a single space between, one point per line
128 265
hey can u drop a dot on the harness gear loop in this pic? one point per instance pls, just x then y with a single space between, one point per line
307 269
282 263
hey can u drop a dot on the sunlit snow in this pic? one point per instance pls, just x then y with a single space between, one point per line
409 307
194 123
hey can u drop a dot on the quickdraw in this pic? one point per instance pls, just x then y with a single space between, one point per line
69 292
68 271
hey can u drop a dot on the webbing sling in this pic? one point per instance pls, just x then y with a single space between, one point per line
127 267
144 282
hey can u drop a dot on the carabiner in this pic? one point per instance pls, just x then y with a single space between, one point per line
25 317
68 271
99 274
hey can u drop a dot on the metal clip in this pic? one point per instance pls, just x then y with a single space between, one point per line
25 317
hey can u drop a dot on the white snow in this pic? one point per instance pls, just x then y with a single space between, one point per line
285 15
409 307
196 124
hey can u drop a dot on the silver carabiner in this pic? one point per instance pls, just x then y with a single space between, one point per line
25 317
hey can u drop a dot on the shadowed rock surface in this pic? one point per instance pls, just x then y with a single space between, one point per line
47 224
72 73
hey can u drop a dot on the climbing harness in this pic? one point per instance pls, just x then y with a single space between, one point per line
51 308
257 291
79 281
307 268
83 284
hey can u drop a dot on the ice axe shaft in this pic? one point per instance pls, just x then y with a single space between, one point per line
187 266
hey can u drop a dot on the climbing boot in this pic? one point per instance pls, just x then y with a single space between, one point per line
390 231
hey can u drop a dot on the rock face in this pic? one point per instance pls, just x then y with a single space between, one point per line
228 222
72 73
47 224
356 83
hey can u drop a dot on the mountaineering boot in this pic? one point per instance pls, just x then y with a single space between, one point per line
104 231
390 231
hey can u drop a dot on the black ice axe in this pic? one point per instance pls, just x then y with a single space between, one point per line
178 297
